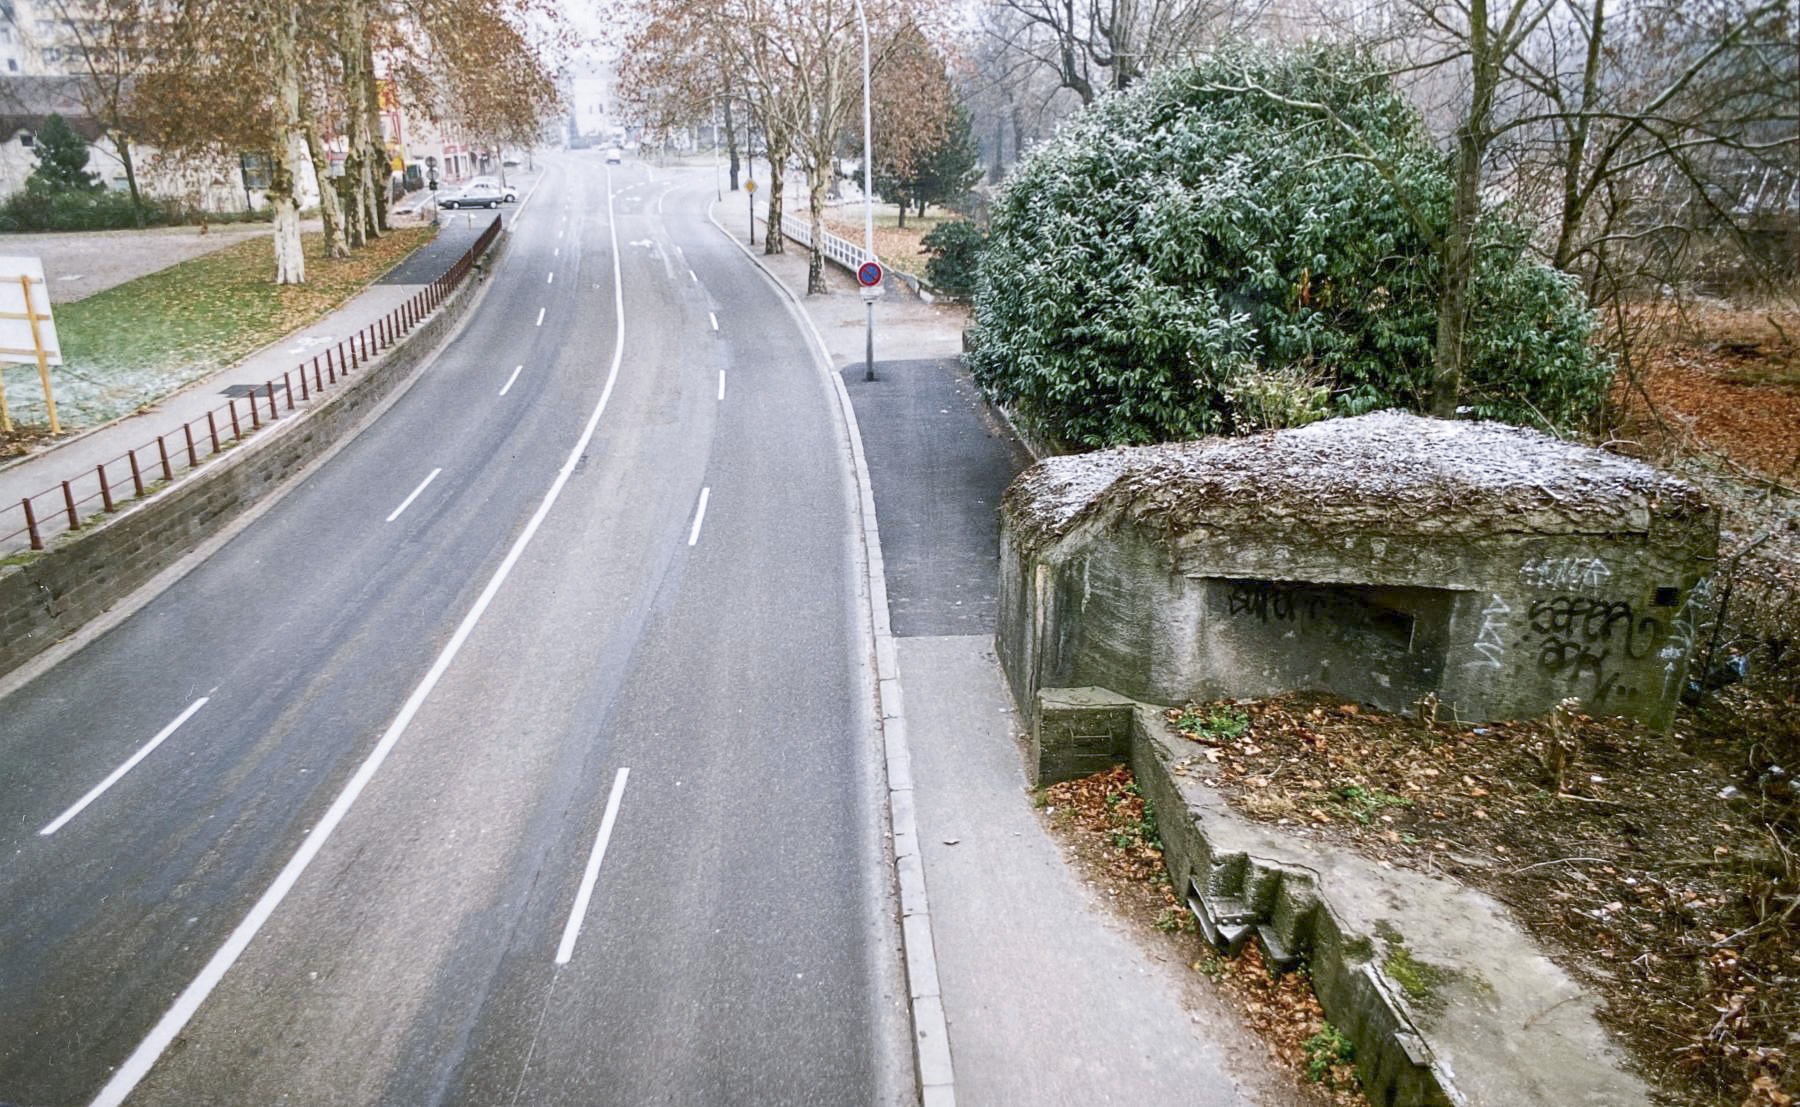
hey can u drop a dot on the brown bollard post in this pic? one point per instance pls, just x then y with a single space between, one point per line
105 491
37 540
69 502
137 476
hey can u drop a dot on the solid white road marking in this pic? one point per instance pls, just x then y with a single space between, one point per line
169 1027
130 763
713 319
699 516
721 384
406 503
565 949
541 311
510 380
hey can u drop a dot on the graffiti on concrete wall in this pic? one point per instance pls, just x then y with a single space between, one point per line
1587 642
1587 575
1490 640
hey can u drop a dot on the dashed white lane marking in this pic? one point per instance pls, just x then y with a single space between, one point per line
551 279
565 949
699 516
556 253
406 503
721 384
161 1036
692 277
117 774
510 380
540 321
713 319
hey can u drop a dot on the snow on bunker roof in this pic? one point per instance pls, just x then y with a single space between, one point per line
1388 473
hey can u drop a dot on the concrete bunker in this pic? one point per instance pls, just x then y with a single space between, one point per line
1384 558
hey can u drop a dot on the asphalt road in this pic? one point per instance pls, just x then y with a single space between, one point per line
501 621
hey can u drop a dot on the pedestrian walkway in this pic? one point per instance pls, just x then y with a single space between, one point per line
1049 999
76 458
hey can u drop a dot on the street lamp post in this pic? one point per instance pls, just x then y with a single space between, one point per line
869 293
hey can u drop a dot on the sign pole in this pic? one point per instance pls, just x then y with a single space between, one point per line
43 360
5 415
750 193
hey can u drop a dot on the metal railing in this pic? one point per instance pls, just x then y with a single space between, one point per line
147 468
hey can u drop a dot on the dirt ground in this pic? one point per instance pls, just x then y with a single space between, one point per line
1104 825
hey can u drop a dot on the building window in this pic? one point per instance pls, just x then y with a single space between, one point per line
26 138
12 64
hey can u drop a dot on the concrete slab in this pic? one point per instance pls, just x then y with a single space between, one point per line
1049 999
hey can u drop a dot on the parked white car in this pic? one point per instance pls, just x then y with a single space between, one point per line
507 193
473 195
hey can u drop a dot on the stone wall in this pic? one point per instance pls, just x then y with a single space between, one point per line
85 572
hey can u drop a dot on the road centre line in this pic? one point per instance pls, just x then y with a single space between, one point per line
551 279
557 252
565 949
541 311
406 503
117 774
169 1027
695 279
721 384
509 381
699 516
713 319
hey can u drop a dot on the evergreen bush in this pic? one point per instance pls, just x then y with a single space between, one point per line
1195 256
955 249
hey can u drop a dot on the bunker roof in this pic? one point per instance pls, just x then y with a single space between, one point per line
1386 473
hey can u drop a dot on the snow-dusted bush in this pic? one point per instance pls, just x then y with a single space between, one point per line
1211 231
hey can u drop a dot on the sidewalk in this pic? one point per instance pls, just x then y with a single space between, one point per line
1048 998
75 459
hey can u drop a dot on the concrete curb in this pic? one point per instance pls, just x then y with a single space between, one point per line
90 580
931 1036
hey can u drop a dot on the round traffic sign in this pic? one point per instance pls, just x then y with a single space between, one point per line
750 186
868 274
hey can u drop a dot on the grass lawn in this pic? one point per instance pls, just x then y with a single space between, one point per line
137 342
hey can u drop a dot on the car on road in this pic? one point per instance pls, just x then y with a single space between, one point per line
473 195
613 154
507 192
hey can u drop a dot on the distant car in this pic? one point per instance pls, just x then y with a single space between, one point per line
613 154
473 195
507 193
511 161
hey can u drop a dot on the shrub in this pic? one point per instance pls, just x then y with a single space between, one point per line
33 210
1195 256
955 255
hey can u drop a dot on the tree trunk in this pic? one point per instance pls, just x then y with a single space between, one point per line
329 209
123 145
1458 258
1574 198
773 243
358 222
379 196
731 144
815 203
284 54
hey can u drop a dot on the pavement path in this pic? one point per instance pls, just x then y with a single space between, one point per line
1049 997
